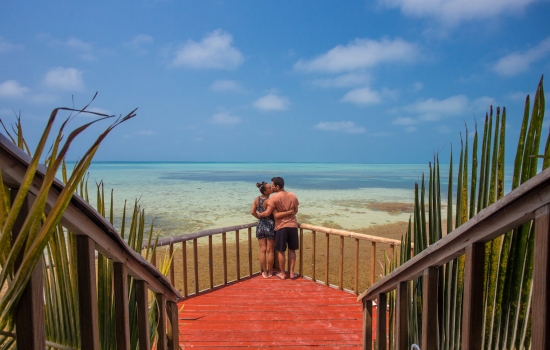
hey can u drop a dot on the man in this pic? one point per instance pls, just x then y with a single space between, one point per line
286 228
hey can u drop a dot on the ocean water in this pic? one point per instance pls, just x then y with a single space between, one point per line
185 197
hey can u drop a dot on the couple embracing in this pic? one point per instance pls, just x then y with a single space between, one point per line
277 226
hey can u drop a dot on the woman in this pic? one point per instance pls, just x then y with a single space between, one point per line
265 232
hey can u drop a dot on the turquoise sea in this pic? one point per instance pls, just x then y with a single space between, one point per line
184 197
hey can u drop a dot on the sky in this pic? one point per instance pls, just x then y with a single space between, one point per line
381 81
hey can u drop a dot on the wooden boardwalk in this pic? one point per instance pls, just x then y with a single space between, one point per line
258 312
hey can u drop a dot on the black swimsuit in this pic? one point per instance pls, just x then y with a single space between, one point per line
266 226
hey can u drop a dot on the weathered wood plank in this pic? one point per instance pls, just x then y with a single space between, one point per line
29 317
210 263
173 329
402 318
373 263
367 324
472 305
301 272
172 276
161 326
196 265
541 281
356 269
429 308
199 234
327 250
249 251
184 267
224 252
512 210
122 318
238 255
381 321
344 233
341 271
143 315
87 293
313 256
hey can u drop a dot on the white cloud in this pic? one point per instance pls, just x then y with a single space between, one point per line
517 96
404 121
361 53
410 129
82 46
64 79
146 133
451 12
443 129
139 42
482 103
214 51
363 96
226 85
6 46
272 102
7 111
344 126
518 62
418 86
434 109
224 118
12 89
345 80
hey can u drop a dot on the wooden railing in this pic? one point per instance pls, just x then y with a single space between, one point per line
529 201
93 232
193 274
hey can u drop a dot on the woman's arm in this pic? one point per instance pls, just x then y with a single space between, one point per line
253 210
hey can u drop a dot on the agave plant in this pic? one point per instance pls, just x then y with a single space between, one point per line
55 245
509 258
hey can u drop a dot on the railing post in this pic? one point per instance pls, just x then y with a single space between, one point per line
250 251
381 316
472 305
161 326
173 330
29 317
87 293
143 315
373 263
401 315
172 277
301 272
341 279
224 253
122 319
184 263
429 308
313 256
367 324
541 280
326 257
238 255
210 263
196 265
356 269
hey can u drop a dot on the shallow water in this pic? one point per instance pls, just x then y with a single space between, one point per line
186 197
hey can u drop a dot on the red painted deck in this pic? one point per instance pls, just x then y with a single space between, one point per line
258 312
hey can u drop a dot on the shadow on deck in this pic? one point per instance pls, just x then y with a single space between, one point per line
260 312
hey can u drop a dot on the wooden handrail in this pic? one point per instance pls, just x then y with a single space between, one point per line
360 236
529 201
93 232
507 213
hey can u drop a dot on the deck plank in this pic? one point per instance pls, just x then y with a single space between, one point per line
270 313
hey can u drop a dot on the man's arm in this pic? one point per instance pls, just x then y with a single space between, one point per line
266 213
282 214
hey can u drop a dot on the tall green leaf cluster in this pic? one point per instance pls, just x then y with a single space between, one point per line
509 258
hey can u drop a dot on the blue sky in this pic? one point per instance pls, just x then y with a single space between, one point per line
387 81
